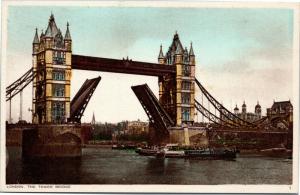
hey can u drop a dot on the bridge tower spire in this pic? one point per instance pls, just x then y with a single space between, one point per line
52 67
161 58
35 50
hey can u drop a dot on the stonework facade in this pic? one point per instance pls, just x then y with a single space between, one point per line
177 94
52 66
281 109
137 127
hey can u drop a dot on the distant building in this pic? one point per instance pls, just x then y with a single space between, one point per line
247 116
137 127
281 109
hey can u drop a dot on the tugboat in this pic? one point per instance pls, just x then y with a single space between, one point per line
147 151
170 151
173 151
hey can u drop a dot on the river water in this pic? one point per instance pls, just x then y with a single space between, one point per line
106 166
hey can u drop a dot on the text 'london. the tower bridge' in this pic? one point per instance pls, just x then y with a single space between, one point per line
56 128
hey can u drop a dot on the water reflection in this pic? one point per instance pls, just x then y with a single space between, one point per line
156 166
106 166
51 171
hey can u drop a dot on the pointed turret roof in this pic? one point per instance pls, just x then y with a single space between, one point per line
176 45
36 37
48 31
52 29
185 51
42 34
191 50
67 35
161 54
179 50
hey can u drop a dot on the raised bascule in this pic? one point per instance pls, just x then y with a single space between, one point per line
56 128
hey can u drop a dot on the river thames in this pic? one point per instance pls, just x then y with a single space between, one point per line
106 166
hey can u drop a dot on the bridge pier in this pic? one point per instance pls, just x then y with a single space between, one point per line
53 141
64 140
186 136
157 136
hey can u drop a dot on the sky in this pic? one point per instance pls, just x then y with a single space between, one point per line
241 54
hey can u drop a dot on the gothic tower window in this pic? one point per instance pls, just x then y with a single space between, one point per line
58 112
185 114
58 90
58 75
186 85
186 70
185 98
59 57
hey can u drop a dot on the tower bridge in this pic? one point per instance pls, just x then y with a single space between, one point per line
171 115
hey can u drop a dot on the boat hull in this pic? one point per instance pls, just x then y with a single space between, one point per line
146 152
192 154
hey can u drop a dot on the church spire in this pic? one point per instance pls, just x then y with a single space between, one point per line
36 37
93 122
161 54
68 35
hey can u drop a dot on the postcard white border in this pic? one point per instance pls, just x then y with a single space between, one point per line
159 188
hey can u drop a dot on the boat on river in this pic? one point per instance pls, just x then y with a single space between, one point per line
170 151
123 147
147 151
174 151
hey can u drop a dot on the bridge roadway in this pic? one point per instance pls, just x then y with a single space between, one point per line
128 66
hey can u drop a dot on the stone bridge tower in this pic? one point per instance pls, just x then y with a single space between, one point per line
52 65
177 93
